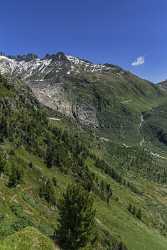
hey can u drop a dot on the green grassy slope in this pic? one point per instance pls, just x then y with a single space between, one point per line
117 219
155 126
118 97
28 239
47 152
22 206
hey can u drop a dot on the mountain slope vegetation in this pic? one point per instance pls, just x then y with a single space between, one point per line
42 151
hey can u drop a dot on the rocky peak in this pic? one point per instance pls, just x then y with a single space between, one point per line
163 85
61 56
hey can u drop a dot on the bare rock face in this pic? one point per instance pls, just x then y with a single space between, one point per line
86 115
53 96
48 79
163 85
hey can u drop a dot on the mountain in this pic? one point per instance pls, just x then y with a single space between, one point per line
61 122
163 85
103 97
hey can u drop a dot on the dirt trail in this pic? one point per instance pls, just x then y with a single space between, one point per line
54 119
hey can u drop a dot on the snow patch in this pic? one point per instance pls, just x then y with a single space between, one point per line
26 69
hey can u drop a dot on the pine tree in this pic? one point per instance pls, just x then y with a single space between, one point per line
15 176
77 219
130 208
134 210
2 162
139 214
47 191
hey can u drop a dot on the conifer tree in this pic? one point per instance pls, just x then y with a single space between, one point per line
15 176
76 228
2 162
139 214
47 191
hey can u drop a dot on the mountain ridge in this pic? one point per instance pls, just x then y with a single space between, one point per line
92 94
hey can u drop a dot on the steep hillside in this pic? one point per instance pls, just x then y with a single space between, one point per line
40 156
155 126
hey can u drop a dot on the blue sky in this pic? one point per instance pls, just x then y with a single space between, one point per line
130 33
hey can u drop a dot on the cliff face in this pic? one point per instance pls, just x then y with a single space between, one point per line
48 79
